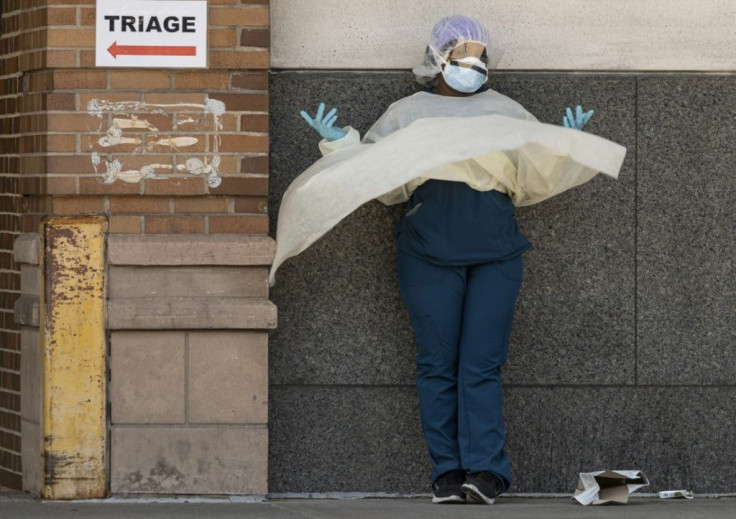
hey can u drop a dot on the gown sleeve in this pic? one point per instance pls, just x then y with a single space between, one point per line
350 139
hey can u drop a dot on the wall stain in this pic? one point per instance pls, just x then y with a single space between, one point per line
163 477
204 117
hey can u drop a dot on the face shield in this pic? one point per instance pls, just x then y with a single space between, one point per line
466 68
458 38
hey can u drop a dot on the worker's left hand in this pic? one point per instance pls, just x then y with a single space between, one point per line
579 120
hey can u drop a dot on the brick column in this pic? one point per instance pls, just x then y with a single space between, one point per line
15 28
177 161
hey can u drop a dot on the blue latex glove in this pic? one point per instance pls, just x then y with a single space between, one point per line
323 123
580 119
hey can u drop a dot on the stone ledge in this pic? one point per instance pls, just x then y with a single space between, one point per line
231 313
218 460
175 249
165 281
26 249
27 311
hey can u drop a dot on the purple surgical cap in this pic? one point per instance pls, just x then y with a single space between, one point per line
459 29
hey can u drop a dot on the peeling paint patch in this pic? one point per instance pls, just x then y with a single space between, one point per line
114 172
134 122
114 136
194 114
185 120
94 108
197 167
130 177
175 142
214 106
194 166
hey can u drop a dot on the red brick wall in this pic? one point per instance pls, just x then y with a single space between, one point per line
13 28
49 139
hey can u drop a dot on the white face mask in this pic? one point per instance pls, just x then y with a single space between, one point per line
465 75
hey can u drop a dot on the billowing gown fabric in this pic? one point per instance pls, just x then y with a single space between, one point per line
486 140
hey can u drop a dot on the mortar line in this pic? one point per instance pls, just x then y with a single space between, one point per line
108 356
636 231
272 498
186 378
152 425
728 385
282 71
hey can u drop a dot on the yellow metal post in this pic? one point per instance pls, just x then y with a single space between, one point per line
73 336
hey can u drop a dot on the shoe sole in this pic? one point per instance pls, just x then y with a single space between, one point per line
475 495
447 500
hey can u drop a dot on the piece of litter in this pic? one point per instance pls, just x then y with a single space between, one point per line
608 486
676 494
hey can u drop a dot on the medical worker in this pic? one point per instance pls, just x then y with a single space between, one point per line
459 264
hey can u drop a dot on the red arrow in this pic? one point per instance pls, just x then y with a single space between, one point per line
150 50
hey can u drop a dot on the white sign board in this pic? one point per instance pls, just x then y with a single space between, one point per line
151 33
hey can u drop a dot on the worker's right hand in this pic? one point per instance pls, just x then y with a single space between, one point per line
323 123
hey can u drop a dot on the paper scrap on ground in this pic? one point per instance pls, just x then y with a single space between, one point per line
676 494
608 486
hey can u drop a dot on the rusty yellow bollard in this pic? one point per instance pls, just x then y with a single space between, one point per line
74 361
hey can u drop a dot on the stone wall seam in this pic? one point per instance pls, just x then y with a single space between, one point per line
636 232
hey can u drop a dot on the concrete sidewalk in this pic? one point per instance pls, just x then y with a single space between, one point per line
18 506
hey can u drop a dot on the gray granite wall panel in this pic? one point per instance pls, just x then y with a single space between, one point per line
341 320
625 278
578 297
679 437
687 230
574 320
367 438
351 439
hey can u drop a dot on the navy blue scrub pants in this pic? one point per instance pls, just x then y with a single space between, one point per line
462 318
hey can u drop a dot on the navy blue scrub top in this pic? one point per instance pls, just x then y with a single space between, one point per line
450 223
